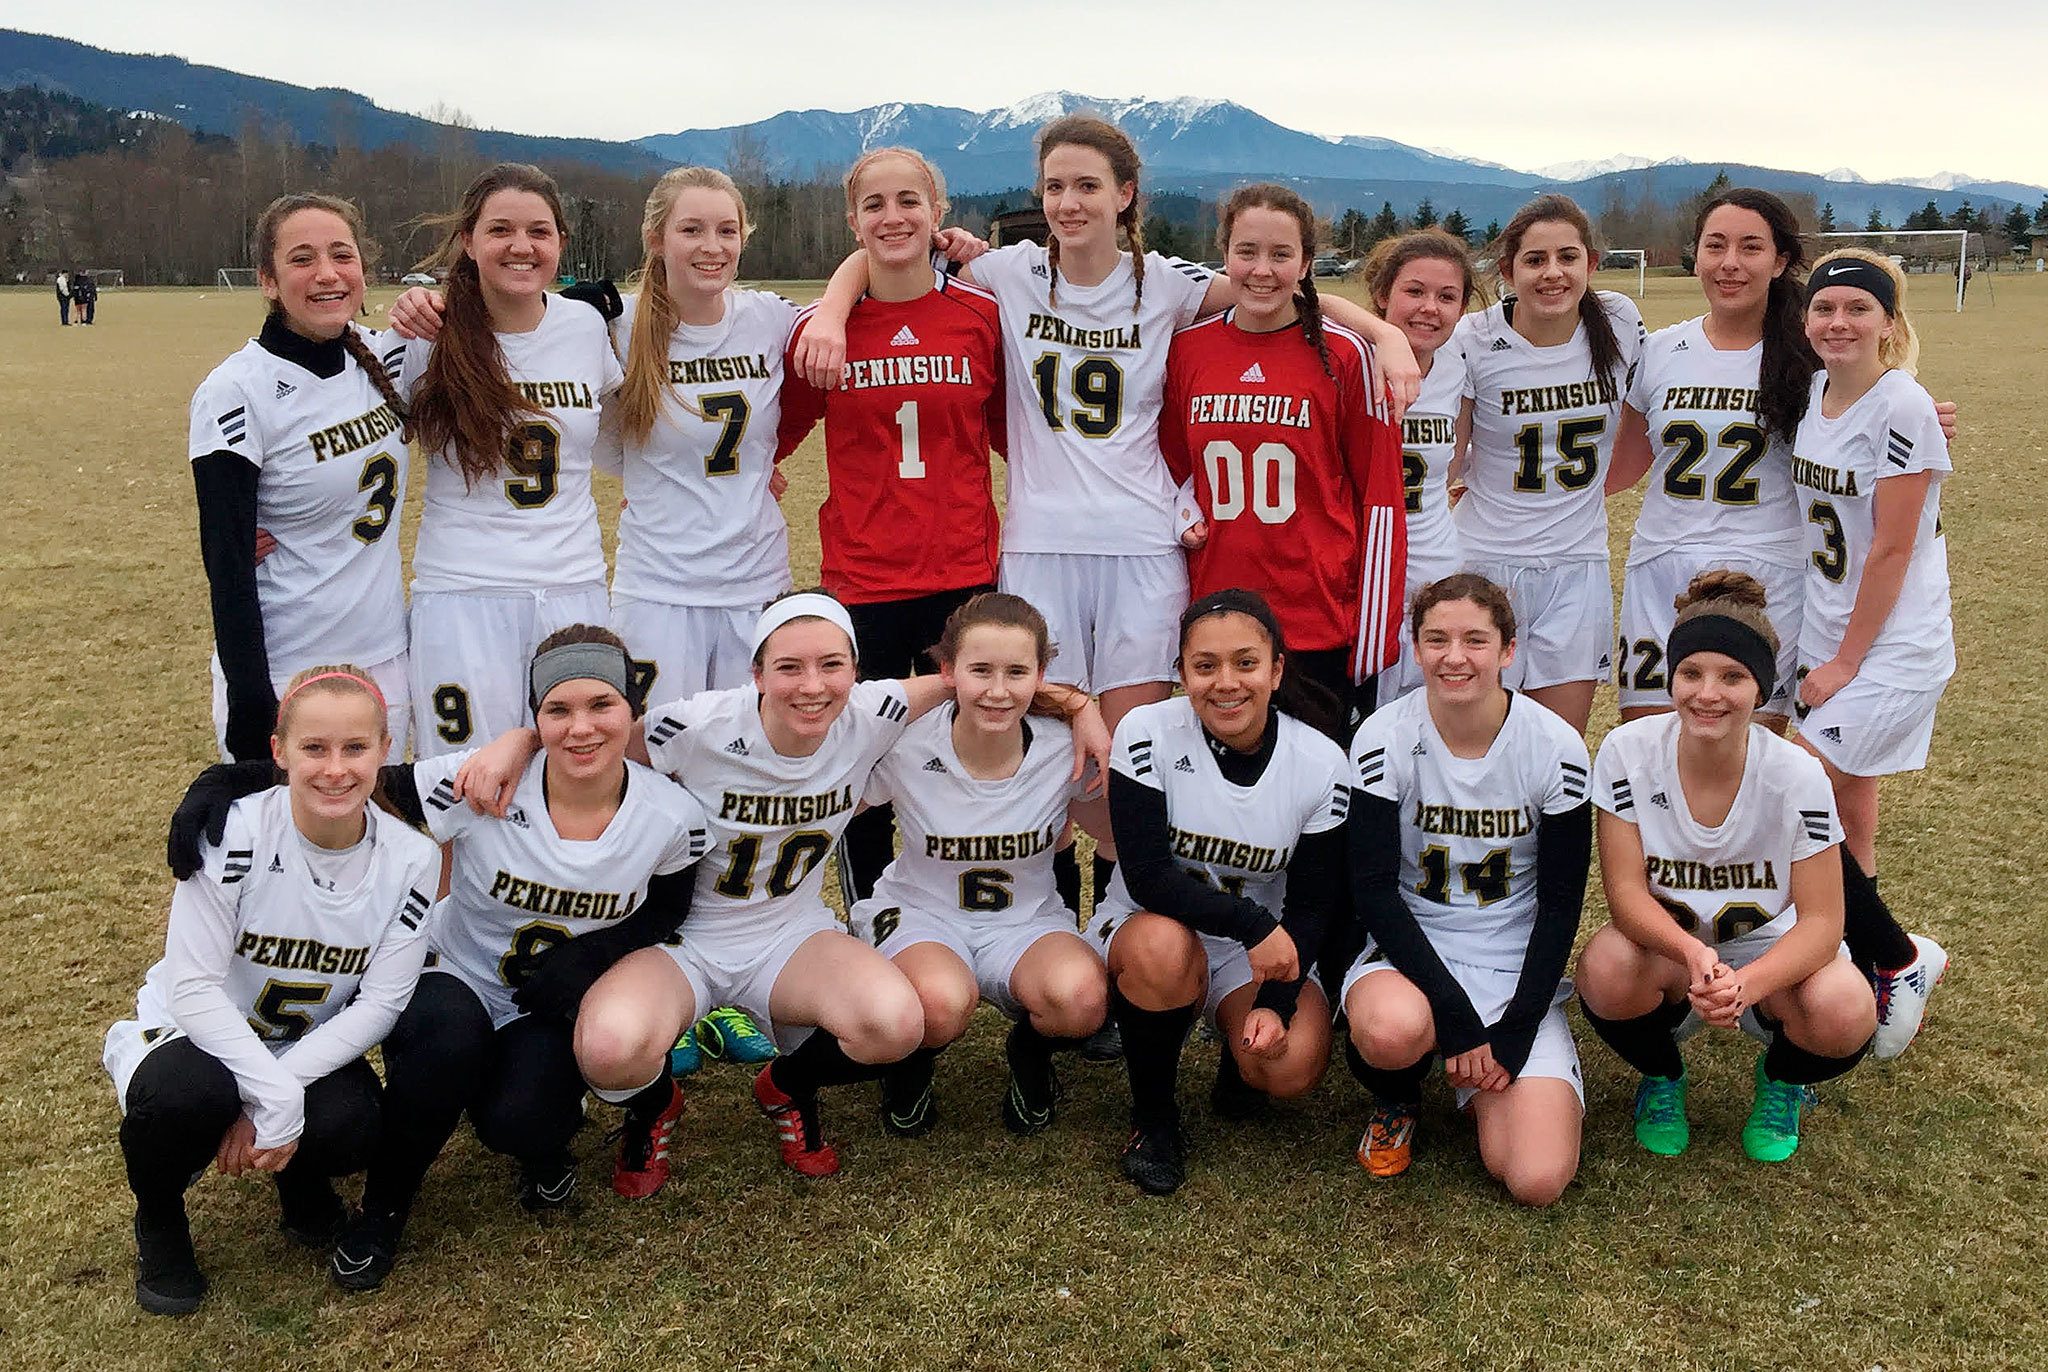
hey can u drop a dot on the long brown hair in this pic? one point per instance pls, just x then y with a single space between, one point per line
1785 377
263 252
1087 131
1383 264
466 404
1562 209
654 317
1267 196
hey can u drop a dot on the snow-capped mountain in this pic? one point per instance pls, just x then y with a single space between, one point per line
1581 170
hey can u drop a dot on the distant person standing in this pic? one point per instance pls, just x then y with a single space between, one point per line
85 296
64 298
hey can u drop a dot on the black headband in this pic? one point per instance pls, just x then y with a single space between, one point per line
1730 637
1235 601
1854 271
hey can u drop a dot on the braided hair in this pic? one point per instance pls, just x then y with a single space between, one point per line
1783 380
1267 196
1098 135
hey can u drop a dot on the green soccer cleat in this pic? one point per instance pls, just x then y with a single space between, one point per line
1772 1134
687 1055
1661 1127
730 1035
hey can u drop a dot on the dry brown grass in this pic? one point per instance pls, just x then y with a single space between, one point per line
1906 1233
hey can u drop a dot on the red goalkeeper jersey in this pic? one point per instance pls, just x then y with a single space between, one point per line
1299 477
908 432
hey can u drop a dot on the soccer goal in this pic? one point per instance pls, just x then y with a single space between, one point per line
1608 262
1920 252
108 278
237 278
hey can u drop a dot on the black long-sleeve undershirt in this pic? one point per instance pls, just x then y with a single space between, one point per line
225 485
1564 854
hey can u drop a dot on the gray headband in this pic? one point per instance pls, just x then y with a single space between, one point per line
577 662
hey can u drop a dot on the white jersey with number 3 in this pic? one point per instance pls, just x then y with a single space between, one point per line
518 888
1468 825
1086 372
772 818
1731 881
532 523
1428 442
1543 428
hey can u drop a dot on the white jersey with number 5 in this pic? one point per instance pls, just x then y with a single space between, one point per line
1543 428
772 818
1086 373
533 523
1468 825
1732 881
1892 430
699 527
971 847
518 888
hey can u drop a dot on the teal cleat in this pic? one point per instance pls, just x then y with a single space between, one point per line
687 1055
730 1035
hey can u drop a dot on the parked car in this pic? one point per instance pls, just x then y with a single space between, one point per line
419 279
1329 266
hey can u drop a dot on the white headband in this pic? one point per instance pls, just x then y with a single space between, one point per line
804 605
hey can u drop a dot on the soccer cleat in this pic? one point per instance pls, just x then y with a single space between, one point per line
1661 1125
731 1035
546 1185
310 1213
804 1149
687 1055
909 1110
1105 1044
1032 1098
364 1254
1772 1134
1388 1145
1156 1159
167 1276
641 1167
1902 996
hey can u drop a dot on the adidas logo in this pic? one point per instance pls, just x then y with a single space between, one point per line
517 815
904 338
1661 801
1253 373
934 765
1418 750
1184 765
1500 345
1682 346
1038 270
1831 734
285 388
738 747
276 863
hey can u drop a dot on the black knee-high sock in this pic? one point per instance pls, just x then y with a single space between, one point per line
1152 1044
820 1061
1104 869
1645 1042
1873 935
1037 1048
1389 1085
1786 1061
1066 877
912 1071
652 1098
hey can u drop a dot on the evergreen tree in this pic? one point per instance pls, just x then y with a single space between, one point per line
1425 214
1874 224
1350 232
2017 225
1826 222
1492 230
1964 217
1457 225
1386 224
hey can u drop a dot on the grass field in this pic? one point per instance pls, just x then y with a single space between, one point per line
1907 1233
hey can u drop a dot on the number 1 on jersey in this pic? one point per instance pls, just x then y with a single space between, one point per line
911 467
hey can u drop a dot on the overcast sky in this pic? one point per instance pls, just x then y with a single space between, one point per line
1887 87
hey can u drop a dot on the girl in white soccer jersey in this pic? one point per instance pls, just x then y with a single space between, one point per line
1422 283
969 909
1088 534
534 996
505 406
1717 853
295 938
1546 371
778 767
1470 840
1876 645
1229 803
302 433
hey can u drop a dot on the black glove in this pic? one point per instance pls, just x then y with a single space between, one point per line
560 976
203 813
601 296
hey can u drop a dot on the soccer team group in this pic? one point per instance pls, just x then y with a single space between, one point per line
1369 545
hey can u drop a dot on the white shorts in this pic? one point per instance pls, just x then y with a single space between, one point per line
390 676
1564 617
1230 964
1868 729
990 948
680 650
1552 1054
741 971
127 1044
1648 589
1115 620
470 654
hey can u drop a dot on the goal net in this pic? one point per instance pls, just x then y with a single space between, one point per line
1634 260
1951 256
237 278
107 278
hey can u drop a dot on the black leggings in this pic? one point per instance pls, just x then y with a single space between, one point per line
520 1085
182 1101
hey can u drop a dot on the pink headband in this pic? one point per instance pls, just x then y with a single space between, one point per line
361 681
